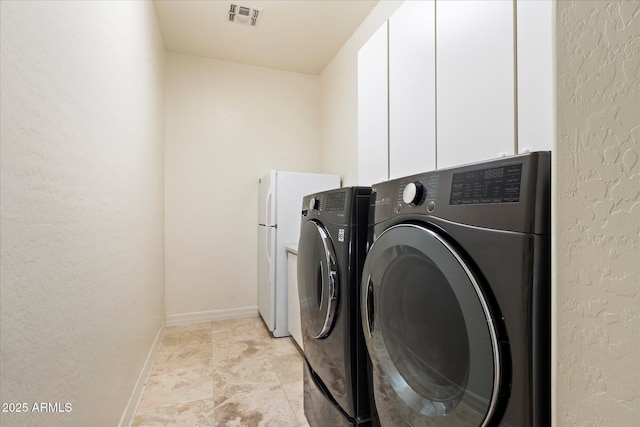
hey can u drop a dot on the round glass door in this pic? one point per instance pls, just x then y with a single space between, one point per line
317 281
429 332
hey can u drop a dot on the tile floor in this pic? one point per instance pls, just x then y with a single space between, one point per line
225 373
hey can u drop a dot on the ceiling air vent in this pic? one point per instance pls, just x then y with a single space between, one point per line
244 14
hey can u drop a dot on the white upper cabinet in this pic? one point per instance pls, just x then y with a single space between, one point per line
475 81
536 98
373 128
450 82
412 107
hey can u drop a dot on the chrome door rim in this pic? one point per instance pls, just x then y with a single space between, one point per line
332 274
485 307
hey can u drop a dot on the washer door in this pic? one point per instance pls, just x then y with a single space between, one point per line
429 332
317 281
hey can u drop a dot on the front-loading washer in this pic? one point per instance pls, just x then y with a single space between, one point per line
455 296
331 250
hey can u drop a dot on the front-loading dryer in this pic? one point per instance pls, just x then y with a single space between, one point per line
331 252
455 296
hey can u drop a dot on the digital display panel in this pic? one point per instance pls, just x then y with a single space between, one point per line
495 185
335 201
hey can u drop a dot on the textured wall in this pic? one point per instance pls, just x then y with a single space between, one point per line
226 125
82 278
598 214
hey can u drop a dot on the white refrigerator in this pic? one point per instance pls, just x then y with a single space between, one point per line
279 210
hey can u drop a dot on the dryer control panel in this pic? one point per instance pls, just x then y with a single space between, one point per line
334 206
494 185
510 193
429 184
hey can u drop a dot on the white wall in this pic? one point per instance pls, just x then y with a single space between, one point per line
597 215
226 125
82 279
339 97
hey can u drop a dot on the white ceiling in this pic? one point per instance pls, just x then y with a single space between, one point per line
293 35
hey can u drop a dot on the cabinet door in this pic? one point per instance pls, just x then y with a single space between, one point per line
475 81
536 97
373 129
412 98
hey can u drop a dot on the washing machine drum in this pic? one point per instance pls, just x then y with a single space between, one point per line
318 279
429 332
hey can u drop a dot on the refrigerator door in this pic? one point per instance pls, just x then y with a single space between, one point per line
266 200
280 200
267 274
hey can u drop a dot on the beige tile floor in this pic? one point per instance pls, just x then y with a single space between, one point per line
225 373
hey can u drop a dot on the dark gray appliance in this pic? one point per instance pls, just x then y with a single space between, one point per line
331 252
455 296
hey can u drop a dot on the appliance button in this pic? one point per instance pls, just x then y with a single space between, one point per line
431 206
413 193
313 203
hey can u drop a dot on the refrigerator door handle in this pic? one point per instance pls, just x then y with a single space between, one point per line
267 217
267 244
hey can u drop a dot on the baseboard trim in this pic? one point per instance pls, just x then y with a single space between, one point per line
210 316
138 389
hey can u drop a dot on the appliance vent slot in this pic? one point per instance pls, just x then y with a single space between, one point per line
244 14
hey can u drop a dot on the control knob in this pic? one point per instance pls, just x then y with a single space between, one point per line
313 203
413 193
